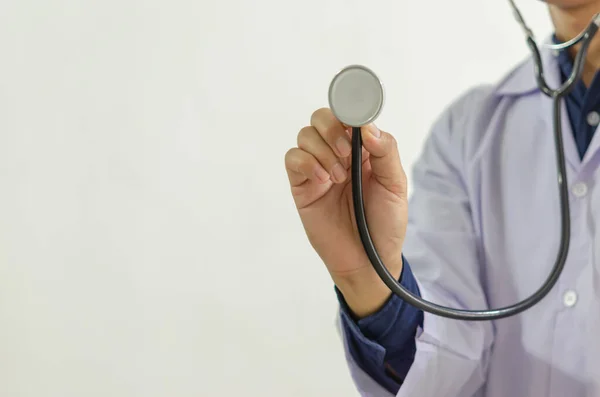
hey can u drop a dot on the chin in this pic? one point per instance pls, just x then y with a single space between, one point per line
567 4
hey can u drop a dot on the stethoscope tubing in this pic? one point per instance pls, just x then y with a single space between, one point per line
561 258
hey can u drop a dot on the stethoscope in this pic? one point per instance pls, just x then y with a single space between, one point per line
356 97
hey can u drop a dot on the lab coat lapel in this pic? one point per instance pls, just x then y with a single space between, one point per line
594 149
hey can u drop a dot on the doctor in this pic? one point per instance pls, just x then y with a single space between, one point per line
481 230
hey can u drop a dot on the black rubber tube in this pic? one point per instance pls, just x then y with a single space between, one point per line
489 314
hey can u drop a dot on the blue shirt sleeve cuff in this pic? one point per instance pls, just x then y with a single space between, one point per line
378 326
384 341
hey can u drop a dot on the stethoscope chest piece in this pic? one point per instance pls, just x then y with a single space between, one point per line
356 96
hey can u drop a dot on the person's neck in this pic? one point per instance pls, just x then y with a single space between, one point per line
569 23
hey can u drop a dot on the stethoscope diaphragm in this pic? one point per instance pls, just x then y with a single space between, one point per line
356 96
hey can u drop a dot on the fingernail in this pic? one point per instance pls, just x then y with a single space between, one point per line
339 173
321 174
343 146
374 131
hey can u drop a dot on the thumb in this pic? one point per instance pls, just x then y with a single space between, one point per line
385 159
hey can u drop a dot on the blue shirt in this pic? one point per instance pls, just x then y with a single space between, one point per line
383 345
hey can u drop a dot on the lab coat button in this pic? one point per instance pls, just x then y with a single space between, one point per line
593 118
570 298
580 189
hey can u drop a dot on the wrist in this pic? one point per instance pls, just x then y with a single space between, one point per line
364 291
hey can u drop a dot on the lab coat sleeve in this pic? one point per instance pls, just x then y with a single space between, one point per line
444 252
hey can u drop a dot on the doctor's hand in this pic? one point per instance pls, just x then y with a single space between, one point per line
319 174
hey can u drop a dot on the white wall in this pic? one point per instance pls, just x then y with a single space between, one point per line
148 242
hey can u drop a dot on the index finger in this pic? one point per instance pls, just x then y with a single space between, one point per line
332 131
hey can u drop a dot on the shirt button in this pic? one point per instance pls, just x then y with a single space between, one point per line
579 189
570 298
593 118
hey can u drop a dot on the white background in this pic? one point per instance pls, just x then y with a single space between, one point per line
149 245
